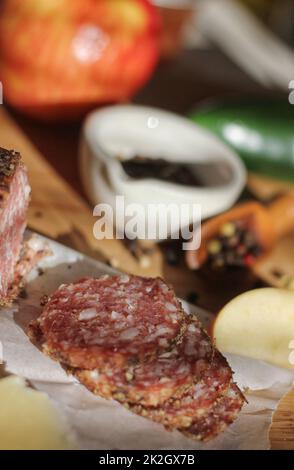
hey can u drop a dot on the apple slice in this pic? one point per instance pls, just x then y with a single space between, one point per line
258 324
29 420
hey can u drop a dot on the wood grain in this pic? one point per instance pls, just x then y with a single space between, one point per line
282 429
59 213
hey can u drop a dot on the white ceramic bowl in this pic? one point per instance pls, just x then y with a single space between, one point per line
129 130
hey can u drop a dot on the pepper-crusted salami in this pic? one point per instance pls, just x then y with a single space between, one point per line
14 200
167 375
196 402
111 321
127 338
219 417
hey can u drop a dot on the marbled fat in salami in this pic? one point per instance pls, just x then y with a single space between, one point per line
181 412
110 322
14 200
219 417
127 338
168 374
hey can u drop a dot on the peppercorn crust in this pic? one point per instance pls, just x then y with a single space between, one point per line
180 409
168 375
9 161
177 382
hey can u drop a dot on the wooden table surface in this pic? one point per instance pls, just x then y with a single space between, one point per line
179 86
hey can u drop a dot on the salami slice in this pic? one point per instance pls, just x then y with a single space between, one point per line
205 411
110 322
127 338
167 375
14 199
182 412
222 414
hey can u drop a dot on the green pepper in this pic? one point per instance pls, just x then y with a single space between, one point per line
261 131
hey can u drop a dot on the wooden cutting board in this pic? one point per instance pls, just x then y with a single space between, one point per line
59 213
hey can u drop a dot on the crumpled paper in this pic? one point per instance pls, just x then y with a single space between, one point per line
100 424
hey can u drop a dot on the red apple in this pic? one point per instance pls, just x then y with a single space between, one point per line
61 57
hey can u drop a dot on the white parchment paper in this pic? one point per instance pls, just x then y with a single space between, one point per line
102 424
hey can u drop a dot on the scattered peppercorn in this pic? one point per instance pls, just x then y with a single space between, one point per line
234 245
228 229
192 297
214 247
172 256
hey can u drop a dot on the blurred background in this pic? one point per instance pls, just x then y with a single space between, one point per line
59 59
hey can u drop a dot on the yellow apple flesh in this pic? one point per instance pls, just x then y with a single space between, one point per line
258 324
28 419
